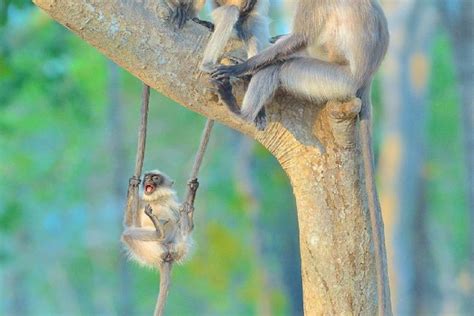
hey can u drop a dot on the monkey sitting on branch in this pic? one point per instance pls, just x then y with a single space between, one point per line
332 53
159 232
245 19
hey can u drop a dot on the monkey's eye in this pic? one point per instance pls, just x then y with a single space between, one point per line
156 178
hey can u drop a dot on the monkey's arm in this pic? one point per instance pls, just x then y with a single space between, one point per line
130 213
279 51
156 222
188 206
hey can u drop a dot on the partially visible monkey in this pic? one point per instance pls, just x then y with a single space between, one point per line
247 19
332 53
180 11
159 234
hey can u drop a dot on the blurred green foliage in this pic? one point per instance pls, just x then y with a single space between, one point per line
446 171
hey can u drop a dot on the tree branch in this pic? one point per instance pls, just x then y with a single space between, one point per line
136 36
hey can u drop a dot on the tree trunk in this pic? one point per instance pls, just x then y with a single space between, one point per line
316 145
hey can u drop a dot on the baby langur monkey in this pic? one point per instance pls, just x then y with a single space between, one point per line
159 234
155 235
246 19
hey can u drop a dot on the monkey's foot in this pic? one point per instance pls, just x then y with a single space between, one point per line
261 120
167 257
224 72
226 96
207 24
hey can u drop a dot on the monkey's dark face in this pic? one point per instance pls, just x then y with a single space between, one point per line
151 181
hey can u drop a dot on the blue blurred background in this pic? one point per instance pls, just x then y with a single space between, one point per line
68 122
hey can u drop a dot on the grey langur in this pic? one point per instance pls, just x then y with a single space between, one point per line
158 234
332 53
246 19
159 213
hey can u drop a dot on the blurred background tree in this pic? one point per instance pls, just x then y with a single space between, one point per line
67 135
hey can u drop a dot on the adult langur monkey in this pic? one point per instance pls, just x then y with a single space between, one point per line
334 50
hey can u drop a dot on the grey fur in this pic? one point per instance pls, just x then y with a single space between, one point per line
229 22
148 244
333 51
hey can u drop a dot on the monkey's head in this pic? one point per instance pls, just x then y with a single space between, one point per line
156 185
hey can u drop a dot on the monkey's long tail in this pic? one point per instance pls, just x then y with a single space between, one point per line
165 280
383 292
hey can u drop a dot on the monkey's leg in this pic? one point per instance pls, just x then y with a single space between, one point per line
226 96
317 80
278 52
224 18
262 87
140 234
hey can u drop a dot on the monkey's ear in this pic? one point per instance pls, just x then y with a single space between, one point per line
171 183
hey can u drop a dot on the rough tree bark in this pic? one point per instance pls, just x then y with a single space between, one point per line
317 146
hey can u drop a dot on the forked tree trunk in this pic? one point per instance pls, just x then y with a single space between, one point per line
316 145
